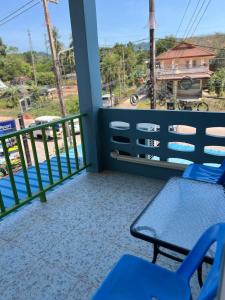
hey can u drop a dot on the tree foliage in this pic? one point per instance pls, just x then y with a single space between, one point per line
13 66
3 48
219 61
58 44
72 105
12 94
45 78
122 63
162 45
217 82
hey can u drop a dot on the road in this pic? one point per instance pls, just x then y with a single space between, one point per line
126 104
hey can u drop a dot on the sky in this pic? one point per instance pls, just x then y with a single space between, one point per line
118 21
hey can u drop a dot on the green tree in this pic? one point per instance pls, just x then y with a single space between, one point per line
28 57
217 82
44 64
219 61
142 56
35 93
111 67
3 48
58 44
13 66
162 45
12 95
45 78
72 105
130 63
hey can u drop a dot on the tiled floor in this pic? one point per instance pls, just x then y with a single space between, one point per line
63 249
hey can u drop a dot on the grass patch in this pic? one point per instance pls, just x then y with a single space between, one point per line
42 108
52 108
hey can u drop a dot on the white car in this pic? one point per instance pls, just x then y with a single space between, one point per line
48 131
76 126
108 100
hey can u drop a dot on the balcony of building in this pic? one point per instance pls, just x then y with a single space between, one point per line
63 246
179 72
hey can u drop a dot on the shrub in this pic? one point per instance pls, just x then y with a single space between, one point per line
72 105
217 82
45 78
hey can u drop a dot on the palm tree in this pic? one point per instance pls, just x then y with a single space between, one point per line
2 48
12 93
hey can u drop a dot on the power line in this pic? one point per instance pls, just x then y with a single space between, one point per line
191 18
17 15
184 15
195 19
15 11
199 21
194 16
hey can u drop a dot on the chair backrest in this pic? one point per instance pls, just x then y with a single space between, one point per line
223 165
215 234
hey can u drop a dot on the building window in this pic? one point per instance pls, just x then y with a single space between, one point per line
187 64
194 63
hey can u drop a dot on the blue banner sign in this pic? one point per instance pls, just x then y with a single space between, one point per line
12 148
7 127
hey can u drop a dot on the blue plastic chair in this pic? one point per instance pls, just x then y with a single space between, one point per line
206 173
134 278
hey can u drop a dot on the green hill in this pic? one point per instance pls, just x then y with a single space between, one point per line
216 40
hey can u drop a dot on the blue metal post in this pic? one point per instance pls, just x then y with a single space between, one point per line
85 38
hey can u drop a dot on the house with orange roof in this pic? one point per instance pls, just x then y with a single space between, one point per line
184 61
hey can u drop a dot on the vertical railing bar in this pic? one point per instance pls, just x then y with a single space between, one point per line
37 167
9 166
24 168
75 145
47 155
82 141
57 152
66 147
2 205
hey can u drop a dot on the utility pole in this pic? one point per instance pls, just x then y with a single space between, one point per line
55 59
25 141
152 83
124 71
32 56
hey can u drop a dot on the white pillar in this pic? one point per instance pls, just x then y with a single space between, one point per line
175 88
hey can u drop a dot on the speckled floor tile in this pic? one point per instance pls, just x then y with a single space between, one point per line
41 281
63 249
13 262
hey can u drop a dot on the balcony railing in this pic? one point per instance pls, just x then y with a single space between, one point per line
182 70
22 186
146 141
